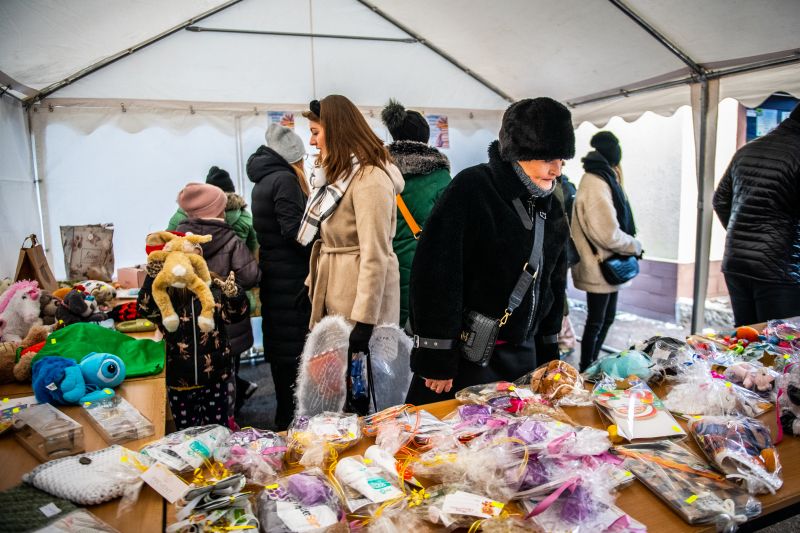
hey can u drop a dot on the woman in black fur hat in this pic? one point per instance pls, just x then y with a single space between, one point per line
474 246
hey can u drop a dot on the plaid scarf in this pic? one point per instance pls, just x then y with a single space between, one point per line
322 203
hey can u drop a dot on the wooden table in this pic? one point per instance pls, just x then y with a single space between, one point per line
148 395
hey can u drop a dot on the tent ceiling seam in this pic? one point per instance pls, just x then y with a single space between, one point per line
444 55
125 53
658 36
199 29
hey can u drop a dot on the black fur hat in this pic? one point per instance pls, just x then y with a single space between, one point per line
405 125
607 144
537 128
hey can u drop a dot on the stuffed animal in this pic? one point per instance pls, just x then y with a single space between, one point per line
19 310
61 293
622 365
5 283
789 400
750 376
555 380
8 356
103 292
48 306
36 337
62 381
124 312
76 307
183 268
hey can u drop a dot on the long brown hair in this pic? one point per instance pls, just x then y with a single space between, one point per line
346 134
300 171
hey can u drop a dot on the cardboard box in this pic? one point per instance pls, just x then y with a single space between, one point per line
131 277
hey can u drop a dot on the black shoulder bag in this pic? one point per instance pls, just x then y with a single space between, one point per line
479 332
616 269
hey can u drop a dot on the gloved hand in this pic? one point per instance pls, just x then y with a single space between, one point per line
359 338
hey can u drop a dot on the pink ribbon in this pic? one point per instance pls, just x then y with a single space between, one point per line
543 505
555 444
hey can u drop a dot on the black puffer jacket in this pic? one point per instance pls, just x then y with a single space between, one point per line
228 253
757 202
278 203
194 357
470 257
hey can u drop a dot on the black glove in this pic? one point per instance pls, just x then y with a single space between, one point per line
302 302
359 338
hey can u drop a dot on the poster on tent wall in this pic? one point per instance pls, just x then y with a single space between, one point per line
440 135
284 118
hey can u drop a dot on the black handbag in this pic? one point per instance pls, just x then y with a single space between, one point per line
617 269
479 332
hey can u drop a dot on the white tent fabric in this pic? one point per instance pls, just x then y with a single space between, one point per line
19 215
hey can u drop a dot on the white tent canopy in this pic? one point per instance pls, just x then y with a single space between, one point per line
220 59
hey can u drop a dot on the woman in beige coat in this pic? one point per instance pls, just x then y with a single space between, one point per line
602 219
352 210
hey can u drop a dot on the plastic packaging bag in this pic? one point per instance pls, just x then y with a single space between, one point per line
686 483
214 503
187 449
554 381
366 483
636 412
742 448
390 350
311 439
500 395
667 354
453 506
300 502
258 454
472 420
699 391
621 366
755 377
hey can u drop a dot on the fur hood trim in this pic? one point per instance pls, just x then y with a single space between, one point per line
234 201
414 157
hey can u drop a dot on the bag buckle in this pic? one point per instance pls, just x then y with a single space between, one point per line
506 315
415 341
417 235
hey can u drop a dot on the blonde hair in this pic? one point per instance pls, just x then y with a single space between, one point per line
300 170
618 170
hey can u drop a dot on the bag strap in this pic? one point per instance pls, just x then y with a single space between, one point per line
534 262
32 238
586 234
416 231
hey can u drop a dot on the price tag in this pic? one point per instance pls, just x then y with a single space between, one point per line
164 482
49 510
691 499
465 503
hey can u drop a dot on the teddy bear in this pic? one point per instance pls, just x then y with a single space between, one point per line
555 380
36 336
48 305
8 357
19 310
103 292
62 381
182 268
751 377
78 306
5 283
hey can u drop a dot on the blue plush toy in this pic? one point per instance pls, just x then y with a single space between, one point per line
622 365
62 381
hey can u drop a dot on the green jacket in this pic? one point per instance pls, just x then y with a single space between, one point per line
426 172
235 215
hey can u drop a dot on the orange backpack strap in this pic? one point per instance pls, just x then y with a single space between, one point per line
408 217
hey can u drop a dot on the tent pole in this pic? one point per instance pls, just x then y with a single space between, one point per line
44 221
705 103
239 175
407 40
444 55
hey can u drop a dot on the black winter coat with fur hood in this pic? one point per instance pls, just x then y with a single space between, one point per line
469 259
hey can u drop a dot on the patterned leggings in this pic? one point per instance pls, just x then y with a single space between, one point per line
212 403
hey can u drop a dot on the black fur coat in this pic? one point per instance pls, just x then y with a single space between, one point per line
469 258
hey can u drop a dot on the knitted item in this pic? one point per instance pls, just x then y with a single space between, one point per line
21 509
86 479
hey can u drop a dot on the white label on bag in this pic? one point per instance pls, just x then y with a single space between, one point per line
469 504
298 518
164 482
523 394
49 510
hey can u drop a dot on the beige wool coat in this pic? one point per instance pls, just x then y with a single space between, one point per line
594 217
354 271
